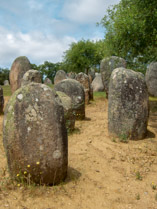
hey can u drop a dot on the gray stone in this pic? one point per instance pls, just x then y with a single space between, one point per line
128 104
35 136
1 100
84 80
47 81
92 73
75 91
69 113
97 84
31 76
6 83
72 75
151 79
19 67
107 66
60 75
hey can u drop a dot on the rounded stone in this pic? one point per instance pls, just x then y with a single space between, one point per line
69 113
60 75
47 81
31 76
6 83
84 80
128 104
19 67
72 75
75 91
97 84
107 65
34 135
151 79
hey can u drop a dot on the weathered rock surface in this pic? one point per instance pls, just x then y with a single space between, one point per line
31 76
69 113
75 91
107 66
151 79
60 75
72 75
34 135
6 83
97 83
128 104
47 81
1 100
91 73
84 80
19 67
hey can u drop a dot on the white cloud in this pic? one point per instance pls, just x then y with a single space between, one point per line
36 46
86 11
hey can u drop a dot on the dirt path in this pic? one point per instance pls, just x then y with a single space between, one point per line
104 173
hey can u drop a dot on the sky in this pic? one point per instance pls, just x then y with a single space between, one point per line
43 30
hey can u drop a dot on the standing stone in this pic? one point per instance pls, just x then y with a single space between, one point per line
75 91
47 81
91 73
97 84
72 75
34 135
1 100
151 79
60 75
107 66
31 76
6 83
128 104
18 69
69 113
84 80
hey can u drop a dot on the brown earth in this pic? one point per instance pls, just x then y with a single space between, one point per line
104 173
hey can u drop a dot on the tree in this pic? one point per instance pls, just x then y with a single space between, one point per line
4 75
131 31
48 69
82 56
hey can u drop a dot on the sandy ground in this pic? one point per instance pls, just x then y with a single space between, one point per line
103 173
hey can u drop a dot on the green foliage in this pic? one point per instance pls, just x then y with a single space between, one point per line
131 31
4 75
48 69
6 90
83 55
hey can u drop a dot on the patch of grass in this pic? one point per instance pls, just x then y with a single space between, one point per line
138 196
138 176
6 90
123 138
153 186
153 99
99 95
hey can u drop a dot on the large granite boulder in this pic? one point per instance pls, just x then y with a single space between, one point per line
75 91
97 83
35 136
151 79
91 73
128 104
107 65
19 67
1 100
69 113
31 76
60 75
84 80
47 81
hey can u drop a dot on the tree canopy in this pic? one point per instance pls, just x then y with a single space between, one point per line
131 30
83 55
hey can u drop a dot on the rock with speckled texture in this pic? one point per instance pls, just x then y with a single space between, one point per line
60 75
19 67
107 65
128 104
34 134
31 76
97 84
47 81
151 79
75 91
